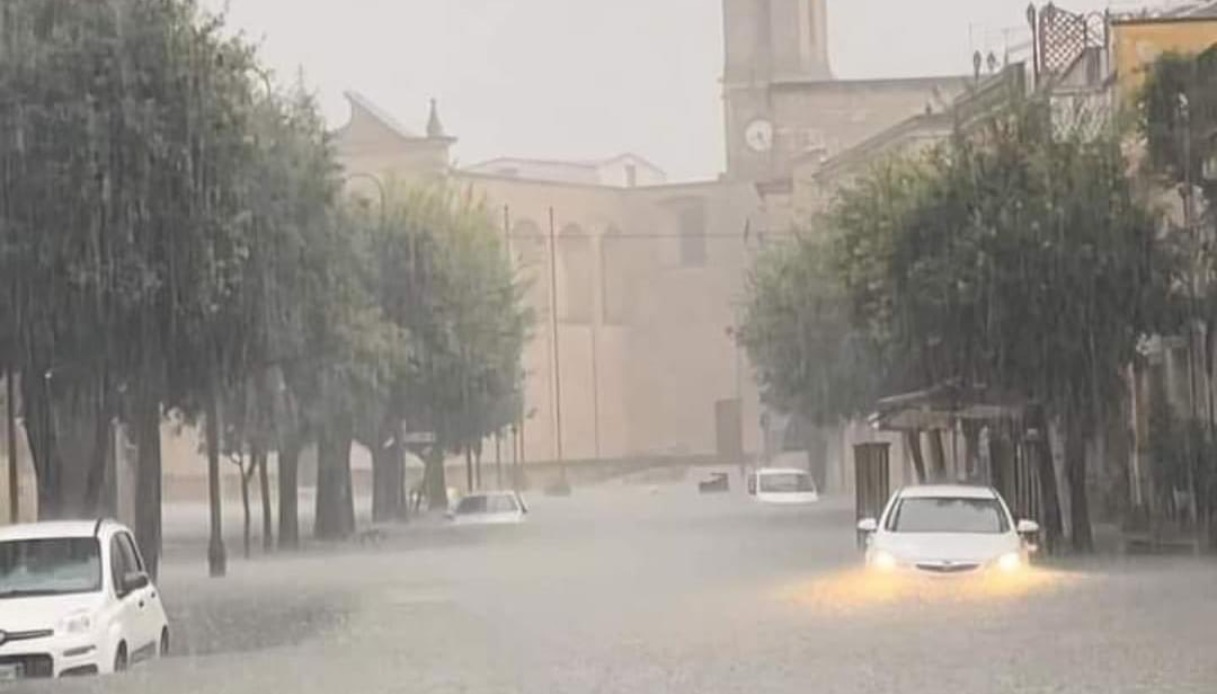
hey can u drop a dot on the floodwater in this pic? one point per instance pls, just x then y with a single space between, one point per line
655 588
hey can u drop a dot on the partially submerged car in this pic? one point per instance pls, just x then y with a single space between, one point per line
782 486
489 508
75 599
947 530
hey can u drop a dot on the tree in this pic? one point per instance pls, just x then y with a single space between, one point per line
1177 109
1012 256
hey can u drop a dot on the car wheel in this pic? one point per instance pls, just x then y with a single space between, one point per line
163 650
120 658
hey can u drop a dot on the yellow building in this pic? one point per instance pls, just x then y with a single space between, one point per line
1139 41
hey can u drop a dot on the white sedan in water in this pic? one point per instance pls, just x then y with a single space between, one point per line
946 530
782 486
75 599
489 508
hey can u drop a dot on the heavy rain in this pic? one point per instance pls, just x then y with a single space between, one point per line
645 346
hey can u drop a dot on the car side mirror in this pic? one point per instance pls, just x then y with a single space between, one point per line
1028 527
868 525
133 581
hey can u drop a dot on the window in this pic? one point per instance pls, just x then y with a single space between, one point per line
502 504
618 278
786 483
530 248
948 515
578 298
692 224
131 555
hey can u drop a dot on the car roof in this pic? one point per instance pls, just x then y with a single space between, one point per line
781 471
55 529
948 491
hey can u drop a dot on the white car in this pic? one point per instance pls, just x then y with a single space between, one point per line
782 486
946 530
75 599
489 508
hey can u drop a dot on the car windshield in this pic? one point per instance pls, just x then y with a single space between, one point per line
948 515
786 482
49 566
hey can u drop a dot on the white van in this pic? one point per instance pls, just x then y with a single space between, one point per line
782 486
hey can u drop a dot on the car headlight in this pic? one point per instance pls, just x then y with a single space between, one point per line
76 623
1011 561
883 561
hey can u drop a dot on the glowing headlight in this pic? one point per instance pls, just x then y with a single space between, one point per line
77 623
883 561
1012 561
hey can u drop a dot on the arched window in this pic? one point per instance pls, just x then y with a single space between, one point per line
577 302
691 220
530 249
618 276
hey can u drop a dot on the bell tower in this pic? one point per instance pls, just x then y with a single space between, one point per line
767 41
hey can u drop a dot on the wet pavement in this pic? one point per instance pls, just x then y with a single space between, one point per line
637 588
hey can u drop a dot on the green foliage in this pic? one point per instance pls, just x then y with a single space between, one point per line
796 330
1178 117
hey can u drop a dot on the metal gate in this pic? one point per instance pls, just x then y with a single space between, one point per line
872 481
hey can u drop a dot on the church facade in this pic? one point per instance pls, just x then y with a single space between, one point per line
650 274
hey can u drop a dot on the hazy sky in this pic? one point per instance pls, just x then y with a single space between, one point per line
586 78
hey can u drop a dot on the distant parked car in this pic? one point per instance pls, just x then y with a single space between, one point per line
75 599
947 530
489 508
716 483
782 486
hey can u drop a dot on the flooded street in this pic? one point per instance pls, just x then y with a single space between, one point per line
650 589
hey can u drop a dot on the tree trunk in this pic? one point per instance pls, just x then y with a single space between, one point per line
387 472
289 497
437 485
1050 501
40 434
335 511
268 524
913 440
148 480
99 455
246 473
217 559
10 428
971 437
468 469
1075 466
938 456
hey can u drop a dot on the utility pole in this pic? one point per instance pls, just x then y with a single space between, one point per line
596 386
553 322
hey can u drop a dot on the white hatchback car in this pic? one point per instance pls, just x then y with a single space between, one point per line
946 530
75 599
489 508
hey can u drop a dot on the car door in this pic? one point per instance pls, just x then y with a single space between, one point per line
144 631
126 611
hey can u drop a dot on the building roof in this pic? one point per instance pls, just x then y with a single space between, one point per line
948 491
848 84
362 103
574 171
